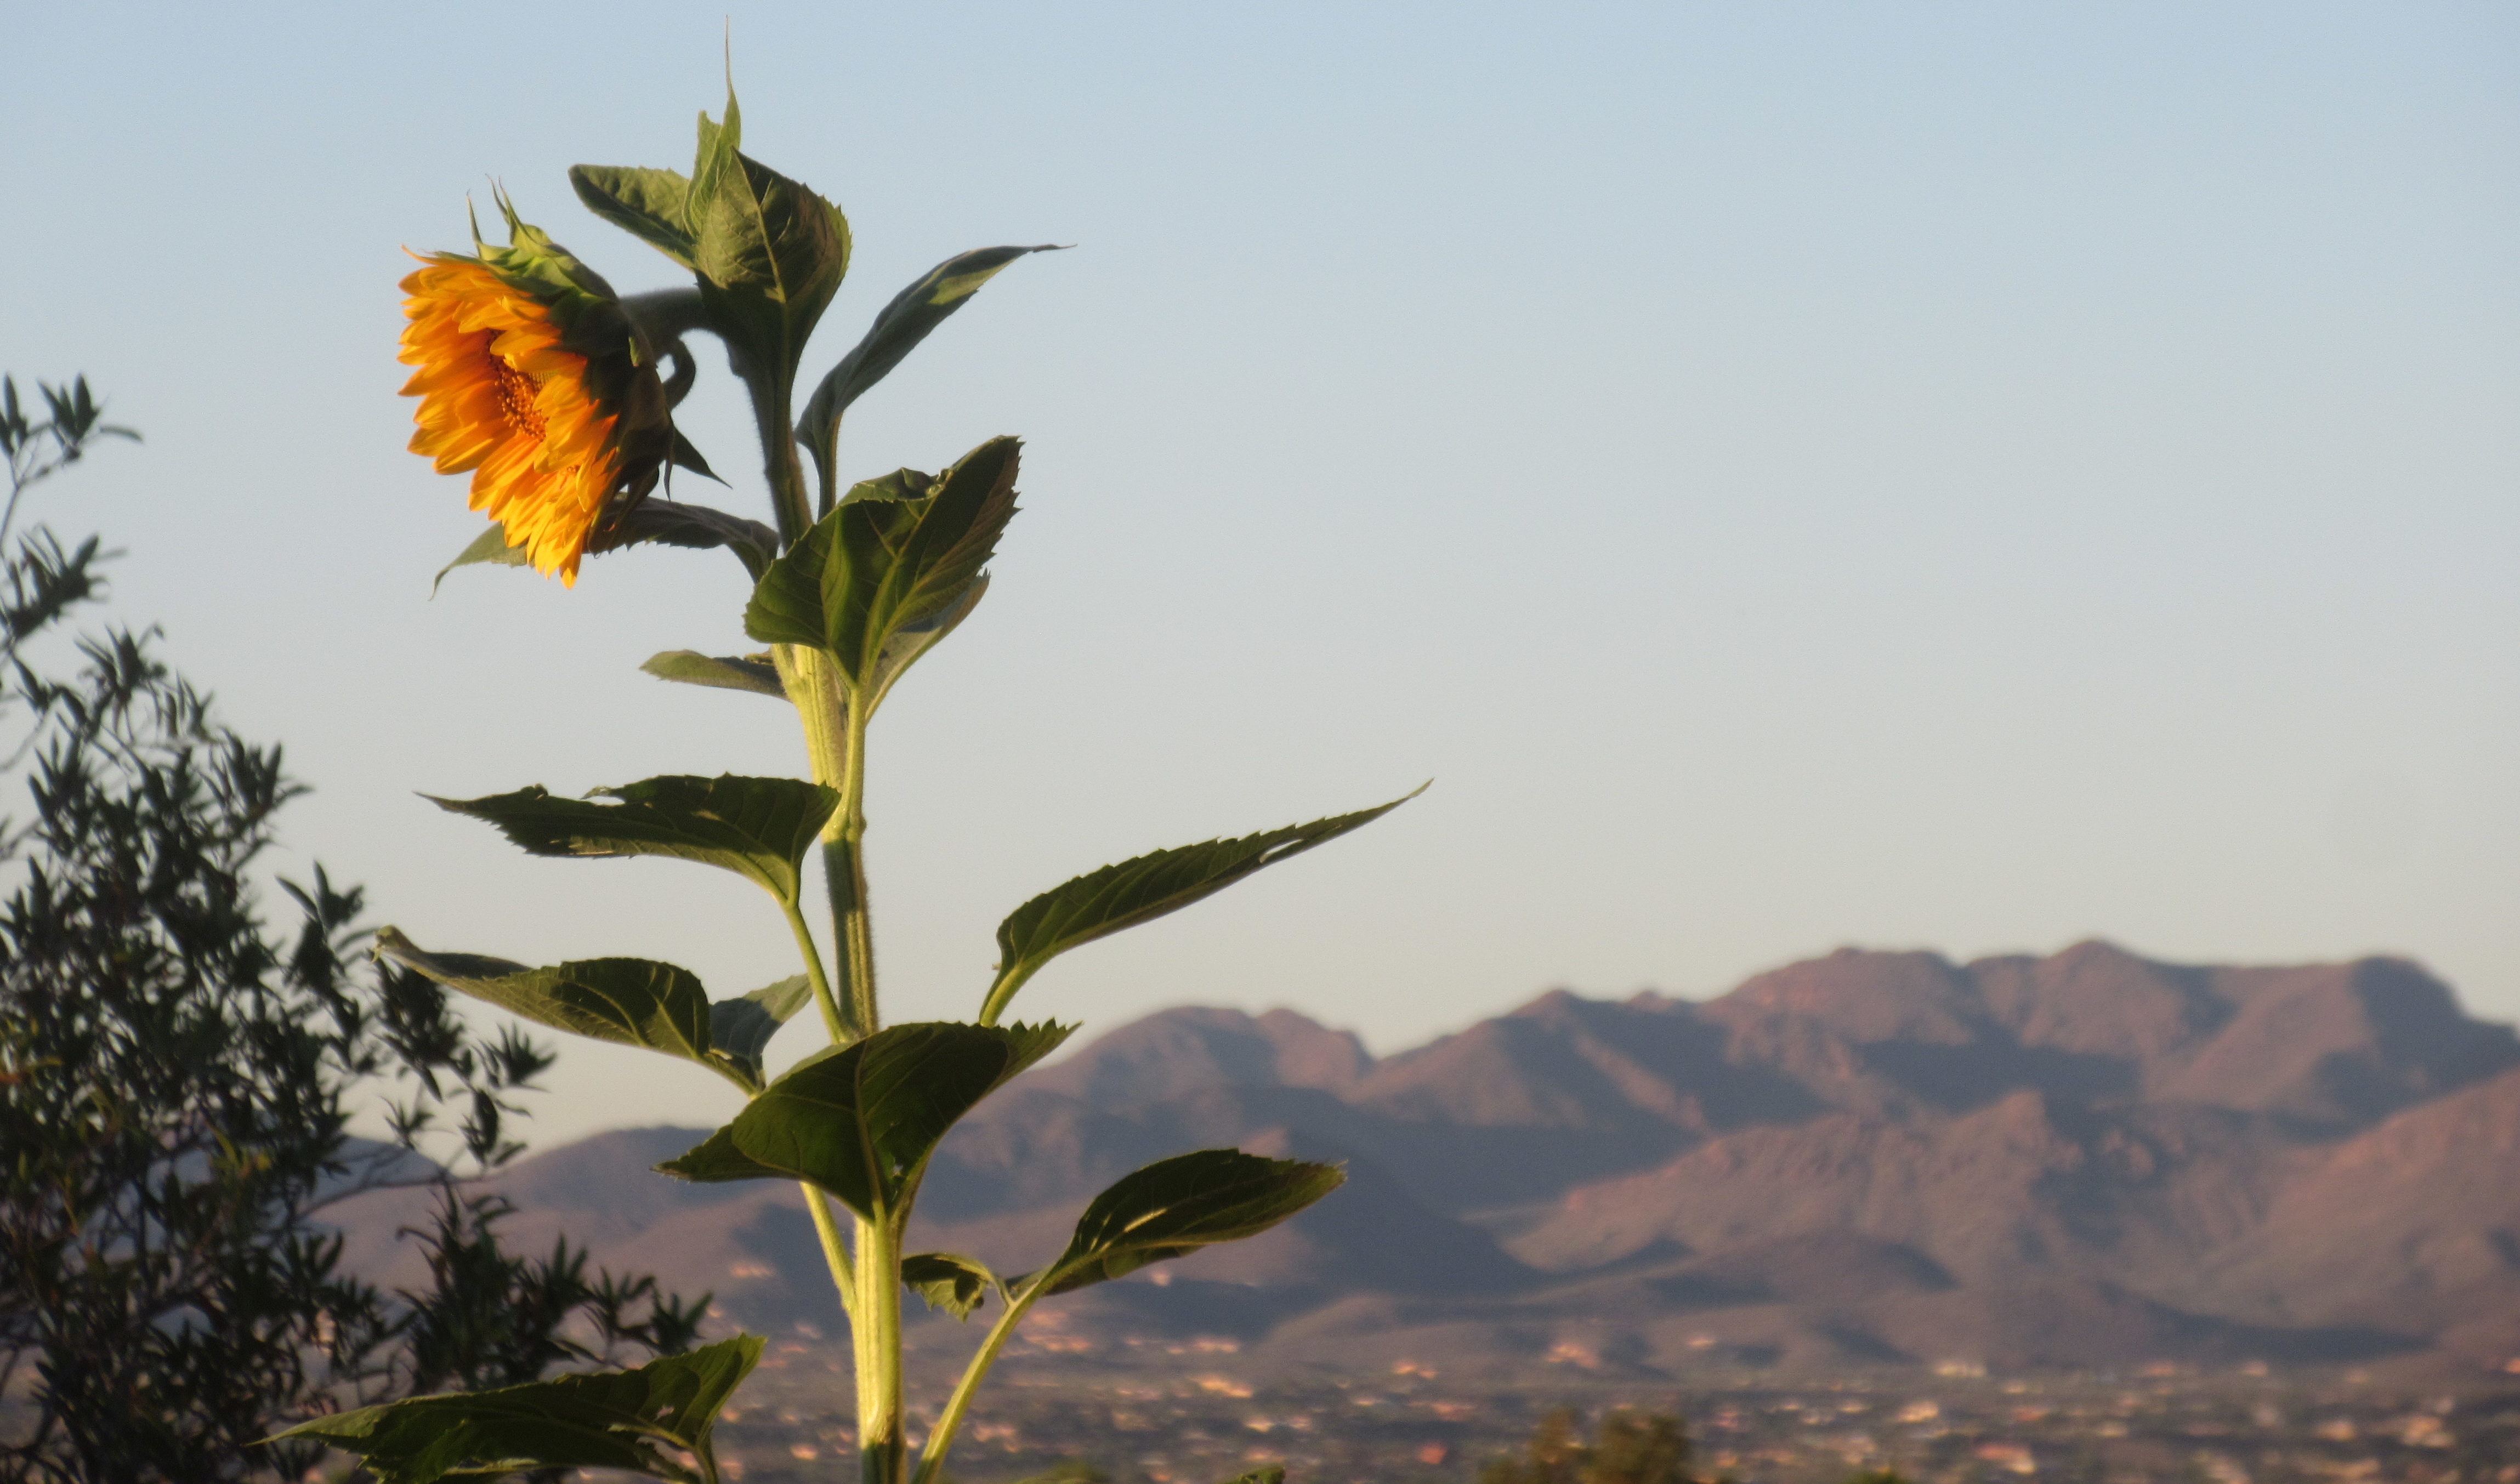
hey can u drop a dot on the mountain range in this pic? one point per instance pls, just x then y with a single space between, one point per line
2087 1159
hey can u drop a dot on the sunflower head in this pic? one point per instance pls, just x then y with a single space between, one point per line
530 377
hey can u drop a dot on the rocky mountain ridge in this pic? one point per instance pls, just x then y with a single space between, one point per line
2085 1159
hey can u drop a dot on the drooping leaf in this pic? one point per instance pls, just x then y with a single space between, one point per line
672 522
903 323
758 827
881 563
652 206
630 1002
610 1420
862 1122
1102 902
726 672
948 1280
491 548
739 1029
1178 1205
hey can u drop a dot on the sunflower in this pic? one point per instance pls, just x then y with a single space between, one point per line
529 377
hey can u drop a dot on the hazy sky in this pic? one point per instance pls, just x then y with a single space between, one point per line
1971 477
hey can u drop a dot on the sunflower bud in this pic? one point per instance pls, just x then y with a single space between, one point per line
530 377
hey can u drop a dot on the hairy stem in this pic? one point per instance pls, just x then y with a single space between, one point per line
882 1451
836 727
815 974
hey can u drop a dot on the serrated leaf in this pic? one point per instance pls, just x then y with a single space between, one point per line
1102 902
1178 1205
603 1420
489 548
739 1029
862 1122
897 330
768 255
900 484
630 1002
882 563
758 827
652 206
726 672
948 1280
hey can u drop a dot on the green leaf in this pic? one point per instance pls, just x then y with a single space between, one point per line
715 154
739 1029
1269 1473
671 522
726 673
913 313
630 1002
1102 902
913 640
861 1122
884 562
770 254
604 1421
948 1280
652 206
490 547
1176 1206
758 827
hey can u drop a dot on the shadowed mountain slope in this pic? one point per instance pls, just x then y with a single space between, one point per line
1868 1158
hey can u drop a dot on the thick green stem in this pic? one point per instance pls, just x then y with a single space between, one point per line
884 1454
836 727
834 738
844 871
932 1456
780 465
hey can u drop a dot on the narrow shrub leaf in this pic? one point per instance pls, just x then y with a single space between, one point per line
758 827
862 1122
1133 891
603 1420
1178 1205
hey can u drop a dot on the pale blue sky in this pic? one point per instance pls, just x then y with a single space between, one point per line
1956 477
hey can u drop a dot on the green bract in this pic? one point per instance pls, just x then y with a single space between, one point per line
848 593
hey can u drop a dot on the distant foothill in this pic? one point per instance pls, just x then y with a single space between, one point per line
2087 1159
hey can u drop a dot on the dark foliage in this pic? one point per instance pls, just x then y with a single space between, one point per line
1628 1448
176 1082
